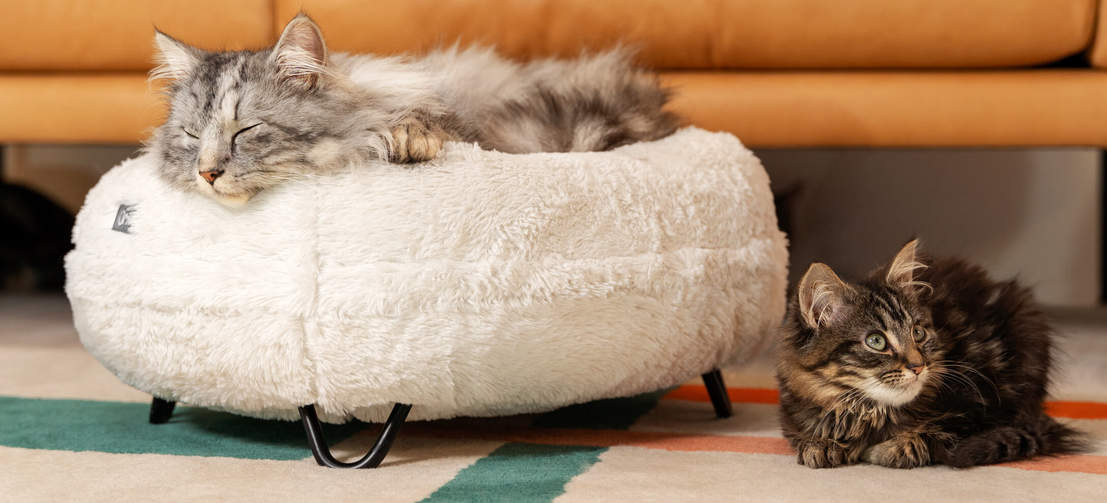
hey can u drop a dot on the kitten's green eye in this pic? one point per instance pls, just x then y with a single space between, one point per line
920 334
190 134
876 341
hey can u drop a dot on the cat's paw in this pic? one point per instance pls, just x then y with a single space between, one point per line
823 454
415 141
907 450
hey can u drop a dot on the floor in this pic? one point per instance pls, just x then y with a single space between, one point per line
70 431
44 321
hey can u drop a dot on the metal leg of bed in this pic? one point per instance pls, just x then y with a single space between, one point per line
161 410
372 459
716 389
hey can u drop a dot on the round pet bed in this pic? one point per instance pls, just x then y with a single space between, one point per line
478 284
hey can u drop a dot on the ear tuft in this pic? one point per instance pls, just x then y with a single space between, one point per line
301 53
175 59
822 296
901 272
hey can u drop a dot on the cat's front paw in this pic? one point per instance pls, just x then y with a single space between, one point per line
906 450
415 141
823 454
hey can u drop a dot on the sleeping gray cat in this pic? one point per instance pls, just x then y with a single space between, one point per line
243 121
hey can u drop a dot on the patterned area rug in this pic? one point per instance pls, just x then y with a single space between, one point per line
69 431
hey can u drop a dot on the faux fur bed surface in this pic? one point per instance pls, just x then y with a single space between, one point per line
478 284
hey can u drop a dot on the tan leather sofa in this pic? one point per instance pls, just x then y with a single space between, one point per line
874 73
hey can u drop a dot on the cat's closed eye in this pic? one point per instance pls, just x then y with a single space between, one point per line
243 130
190 133
240 132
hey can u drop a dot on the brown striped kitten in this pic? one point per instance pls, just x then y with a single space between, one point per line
926 361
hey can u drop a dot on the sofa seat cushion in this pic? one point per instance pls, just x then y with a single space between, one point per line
1000 108
78 108
766 109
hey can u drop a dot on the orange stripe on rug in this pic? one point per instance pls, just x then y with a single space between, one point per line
610 438
1077 410
741 395
696 393
655 440
682 442
1076 463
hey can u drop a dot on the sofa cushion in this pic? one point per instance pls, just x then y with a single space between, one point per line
1098 53
898 109
765 109
78 108
723 33
119 34
116 34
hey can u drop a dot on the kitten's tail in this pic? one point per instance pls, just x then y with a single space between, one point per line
1041 436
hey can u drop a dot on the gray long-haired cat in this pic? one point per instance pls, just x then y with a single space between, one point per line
243 121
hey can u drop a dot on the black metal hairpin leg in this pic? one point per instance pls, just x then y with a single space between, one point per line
322 453
161 411
716 389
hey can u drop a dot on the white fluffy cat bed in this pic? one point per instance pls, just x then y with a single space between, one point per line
478 284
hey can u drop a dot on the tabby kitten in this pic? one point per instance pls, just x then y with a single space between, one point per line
925 361
243 121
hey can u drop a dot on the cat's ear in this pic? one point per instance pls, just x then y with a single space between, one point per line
175 59
901 272
301 53
822 296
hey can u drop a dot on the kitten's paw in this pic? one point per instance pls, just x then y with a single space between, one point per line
907 450
414 141
823 454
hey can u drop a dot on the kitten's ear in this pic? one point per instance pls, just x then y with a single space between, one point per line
901 272
175 59
822 296
301 54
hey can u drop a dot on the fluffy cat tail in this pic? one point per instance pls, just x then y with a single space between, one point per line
594 103
1041 436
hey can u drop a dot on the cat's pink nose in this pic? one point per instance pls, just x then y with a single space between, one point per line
210 176
916 368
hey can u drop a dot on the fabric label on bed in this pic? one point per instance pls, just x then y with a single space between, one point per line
122 221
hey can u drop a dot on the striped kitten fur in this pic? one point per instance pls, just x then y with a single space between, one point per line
926 361
243 121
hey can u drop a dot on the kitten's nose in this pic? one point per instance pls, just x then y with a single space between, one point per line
210 176
917 368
